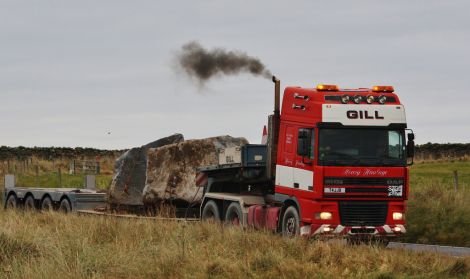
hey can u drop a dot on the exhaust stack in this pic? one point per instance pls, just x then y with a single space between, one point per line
274 122
277 96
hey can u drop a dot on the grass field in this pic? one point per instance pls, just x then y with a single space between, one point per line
45 173
437 214
51 245
441 173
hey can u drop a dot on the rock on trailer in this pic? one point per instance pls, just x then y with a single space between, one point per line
336 163
63 199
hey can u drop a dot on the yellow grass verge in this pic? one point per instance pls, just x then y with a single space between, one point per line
52 245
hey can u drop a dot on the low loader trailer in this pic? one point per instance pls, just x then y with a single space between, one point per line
336 163
63 199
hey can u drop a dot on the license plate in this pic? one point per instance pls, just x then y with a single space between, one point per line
395 191
335 190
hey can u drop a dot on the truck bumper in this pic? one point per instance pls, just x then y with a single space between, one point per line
327 230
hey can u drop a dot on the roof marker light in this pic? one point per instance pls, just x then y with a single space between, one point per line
382 99
386 89
357 99
327 87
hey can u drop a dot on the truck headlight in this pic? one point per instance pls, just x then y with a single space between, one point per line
326 216
397 216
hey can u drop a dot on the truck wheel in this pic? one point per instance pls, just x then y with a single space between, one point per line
290 222
12 203
65 206
29 203
47 204
210 211
234 215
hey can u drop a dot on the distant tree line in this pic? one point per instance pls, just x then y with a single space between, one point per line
51 153
439 151
428 151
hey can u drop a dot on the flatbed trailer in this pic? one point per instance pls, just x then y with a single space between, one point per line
63 199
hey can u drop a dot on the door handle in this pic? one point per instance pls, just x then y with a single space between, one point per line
296 185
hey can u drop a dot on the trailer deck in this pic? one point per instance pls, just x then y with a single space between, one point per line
65 199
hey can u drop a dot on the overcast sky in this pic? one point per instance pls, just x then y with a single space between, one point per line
72 71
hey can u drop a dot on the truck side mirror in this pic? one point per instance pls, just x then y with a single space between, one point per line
410 149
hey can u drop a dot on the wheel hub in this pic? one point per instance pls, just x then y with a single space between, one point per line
291 226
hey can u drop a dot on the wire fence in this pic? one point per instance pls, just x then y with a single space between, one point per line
50 174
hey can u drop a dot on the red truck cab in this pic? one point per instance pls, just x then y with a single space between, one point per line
342 161
335 163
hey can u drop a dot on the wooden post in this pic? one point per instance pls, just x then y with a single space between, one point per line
456 180
60 177
37 175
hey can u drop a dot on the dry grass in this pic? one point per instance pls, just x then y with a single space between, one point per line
51 245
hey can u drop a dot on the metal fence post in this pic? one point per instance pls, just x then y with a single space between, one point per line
10 181
90 182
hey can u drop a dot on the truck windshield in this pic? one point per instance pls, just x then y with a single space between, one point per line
361 147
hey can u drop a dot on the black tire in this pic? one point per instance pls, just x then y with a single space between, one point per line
210 211
290 222
46 204
234 215
29 203
65 206
12 202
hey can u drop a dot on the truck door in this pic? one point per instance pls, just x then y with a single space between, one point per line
285 164
303 165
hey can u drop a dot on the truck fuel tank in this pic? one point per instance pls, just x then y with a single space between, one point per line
263 217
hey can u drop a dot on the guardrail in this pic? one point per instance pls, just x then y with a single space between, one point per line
453 251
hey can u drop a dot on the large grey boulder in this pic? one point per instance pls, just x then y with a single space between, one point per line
171 169
130 173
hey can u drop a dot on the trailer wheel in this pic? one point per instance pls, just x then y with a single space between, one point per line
290 222
29 203
65 206
47 204
234 215
12 203
210 211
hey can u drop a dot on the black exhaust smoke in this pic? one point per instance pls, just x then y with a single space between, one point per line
204 64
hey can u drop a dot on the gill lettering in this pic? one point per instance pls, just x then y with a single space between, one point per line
363 114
